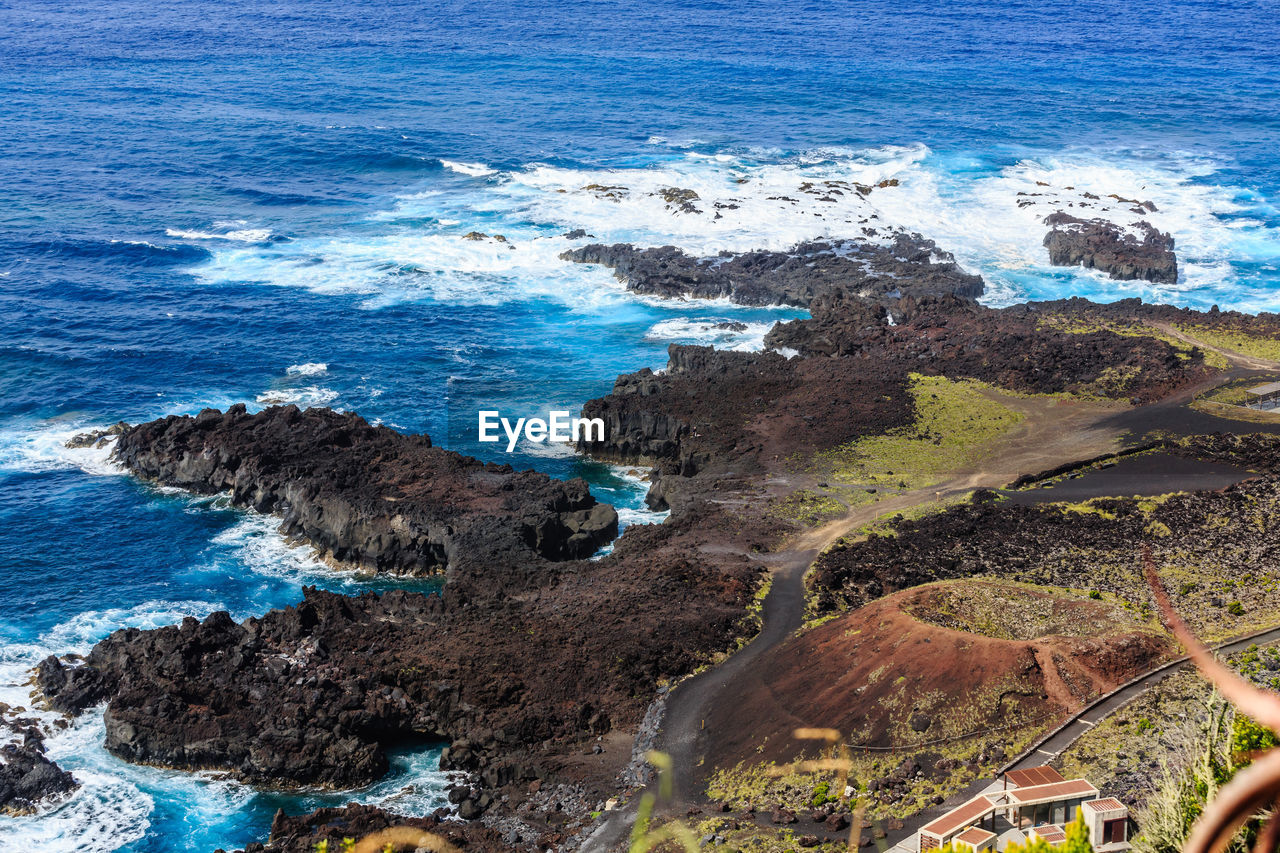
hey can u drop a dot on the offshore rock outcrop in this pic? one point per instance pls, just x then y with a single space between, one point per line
367 495
909 264
1102 245
28 779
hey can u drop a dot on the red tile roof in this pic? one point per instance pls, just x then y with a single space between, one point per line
1051 833
1053 791
1042 775
959 817
1109 804
975 835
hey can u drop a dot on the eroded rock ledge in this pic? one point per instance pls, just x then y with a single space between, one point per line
909 264
367 495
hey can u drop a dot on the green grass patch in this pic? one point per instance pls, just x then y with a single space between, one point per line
810 507
955 422
886 525
1132 329
1236 340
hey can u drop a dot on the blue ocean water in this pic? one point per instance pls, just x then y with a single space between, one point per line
241 202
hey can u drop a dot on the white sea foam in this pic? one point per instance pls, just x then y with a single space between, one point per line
110 809
721 333
256 544
106 813
304 397
140 243
475 170
758 199
637 483
310 368
238 235
34 447
116 802
741 204
547 449
628 516
994 225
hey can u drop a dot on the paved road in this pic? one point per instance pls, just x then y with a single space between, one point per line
1094 713
1045 440
1053 744
782 613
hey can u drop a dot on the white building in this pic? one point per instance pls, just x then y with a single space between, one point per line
1037 801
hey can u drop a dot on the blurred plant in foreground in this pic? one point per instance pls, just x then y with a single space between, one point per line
1253 793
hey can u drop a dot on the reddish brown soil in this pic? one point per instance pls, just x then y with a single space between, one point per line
885 678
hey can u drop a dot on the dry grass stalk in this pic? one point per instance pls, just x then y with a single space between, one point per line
1255 788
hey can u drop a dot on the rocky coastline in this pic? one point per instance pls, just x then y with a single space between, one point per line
368 496
536 663
28 779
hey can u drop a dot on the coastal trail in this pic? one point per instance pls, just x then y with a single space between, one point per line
1054 432
1237 359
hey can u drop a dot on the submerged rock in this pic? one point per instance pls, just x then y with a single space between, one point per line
97 437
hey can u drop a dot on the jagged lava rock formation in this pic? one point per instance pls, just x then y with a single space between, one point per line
521 661
1012 347
908 264
714 411
367 495
28 778
1102 245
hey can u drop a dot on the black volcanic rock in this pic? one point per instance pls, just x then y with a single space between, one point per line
301 833
742 411
1102 245
283 700
368 495
910 264
715 409
1051 545
27 777
515 663
1012 347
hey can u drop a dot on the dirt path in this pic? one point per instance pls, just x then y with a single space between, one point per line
1238 359
1054 432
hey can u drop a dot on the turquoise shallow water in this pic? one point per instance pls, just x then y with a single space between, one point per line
218 203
